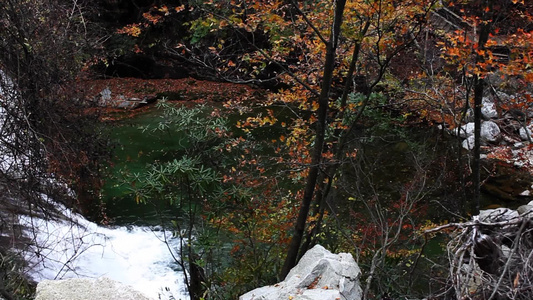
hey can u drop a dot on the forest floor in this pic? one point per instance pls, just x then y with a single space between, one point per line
186 90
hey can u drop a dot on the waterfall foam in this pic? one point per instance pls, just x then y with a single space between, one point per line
69 246
141 257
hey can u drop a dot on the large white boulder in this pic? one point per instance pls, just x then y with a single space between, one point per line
500 214
469 142
488 109
320 275
86 289
490 131
525 132
465 131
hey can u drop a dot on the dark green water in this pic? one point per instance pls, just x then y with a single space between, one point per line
133 151
389 159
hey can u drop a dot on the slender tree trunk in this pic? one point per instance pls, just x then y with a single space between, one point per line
476 165
326 180
316 159
319 209
351 70
479 85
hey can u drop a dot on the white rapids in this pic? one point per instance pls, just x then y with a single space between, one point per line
142 257
139 256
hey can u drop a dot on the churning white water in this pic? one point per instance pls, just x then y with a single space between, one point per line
141 257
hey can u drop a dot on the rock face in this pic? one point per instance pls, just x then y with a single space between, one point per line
466 130
469 142
525 133
490 131
105 99
488 110
86 289
320 275
505 133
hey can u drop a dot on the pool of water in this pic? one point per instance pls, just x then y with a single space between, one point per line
134 149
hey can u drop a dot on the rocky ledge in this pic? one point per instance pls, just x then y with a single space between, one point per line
86 289
506 135
320 275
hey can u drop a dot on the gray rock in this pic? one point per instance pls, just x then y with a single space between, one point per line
525 133
466 130
519 164
525 209
488 110
518 145
468 143
320 275
472 283
503 97
131 103
496 79
105 97
498 215
120 101
86 289
490 131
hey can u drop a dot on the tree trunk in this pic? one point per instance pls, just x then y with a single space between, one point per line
316 159
330 173
479 84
